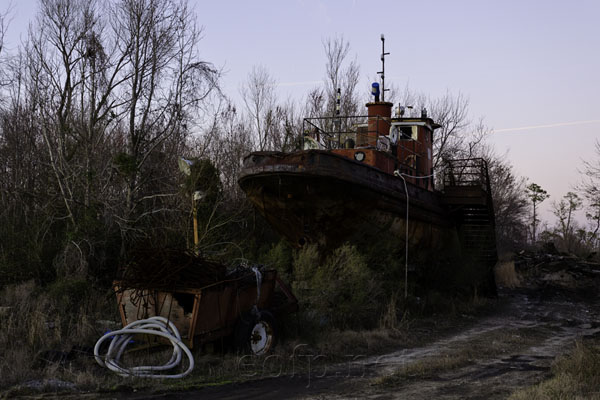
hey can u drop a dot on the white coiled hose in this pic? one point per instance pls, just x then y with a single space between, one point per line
159 326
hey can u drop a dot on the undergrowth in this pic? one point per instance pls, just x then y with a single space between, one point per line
50 332
351 305
574 376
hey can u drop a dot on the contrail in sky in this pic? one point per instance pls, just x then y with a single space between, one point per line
524 128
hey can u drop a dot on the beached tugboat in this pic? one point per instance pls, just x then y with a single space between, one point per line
363 175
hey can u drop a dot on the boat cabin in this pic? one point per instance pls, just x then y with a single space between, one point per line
394 144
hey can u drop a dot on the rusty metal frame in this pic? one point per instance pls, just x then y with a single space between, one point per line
236 295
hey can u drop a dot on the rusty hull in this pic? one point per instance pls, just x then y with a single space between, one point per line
317 196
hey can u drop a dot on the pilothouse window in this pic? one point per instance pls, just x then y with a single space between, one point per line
408 132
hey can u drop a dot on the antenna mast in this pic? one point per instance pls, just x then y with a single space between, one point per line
382 72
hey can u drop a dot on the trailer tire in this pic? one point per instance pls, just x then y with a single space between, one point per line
256 333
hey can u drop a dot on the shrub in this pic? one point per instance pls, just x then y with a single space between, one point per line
341 291
69 294
280 257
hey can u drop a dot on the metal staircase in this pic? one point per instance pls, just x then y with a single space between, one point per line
467 193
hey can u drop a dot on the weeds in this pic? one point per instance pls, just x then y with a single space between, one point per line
46 333
576 375
506 275
49 332
487 345
389 317
426 368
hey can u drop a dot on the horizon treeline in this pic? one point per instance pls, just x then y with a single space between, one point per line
102 99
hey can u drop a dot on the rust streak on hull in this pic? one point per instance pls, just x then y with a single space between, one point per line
321 197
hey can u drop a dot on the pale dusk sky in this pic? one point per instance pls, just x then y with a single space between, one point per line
529 68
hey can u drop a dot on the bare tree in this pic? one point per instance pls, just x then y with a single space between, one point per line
508 196
458 136
593 216
117 87
28 203
164 86
102 99
274 122
3 28
4 20
226 141
315 103
590 190
451 112
55 69
563 210
258 94
286 126
407 97
339 86
342 74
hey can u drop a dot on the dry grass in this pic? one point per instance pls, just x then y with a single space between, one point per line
433 365
576 376
506 275
500 342
485 346
34 321
389 317
425 368
39 326
340 344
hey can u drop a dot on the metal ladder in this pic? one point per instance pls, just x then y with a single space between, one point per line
467 192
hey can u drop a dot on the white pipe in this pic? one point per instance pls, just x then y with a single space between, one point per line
158 326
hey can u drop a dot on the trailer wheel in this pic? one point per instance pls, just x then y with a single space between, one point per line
256 334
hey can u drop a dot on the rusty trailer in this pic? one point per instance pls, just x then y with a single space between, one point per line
244 307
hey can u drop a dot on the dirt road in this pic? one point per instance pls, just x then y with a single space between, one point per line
510 349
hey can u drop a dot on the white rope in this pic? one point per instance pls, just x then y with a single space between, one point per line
411 176
403 175
258 283
159 326
400 174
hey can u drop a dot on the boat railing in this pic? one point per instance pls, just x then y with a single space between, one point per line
466 172
333 132
360 132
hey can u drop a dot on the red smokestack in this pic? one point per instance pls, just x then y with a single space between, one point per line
380 113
